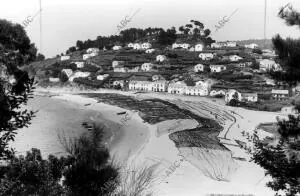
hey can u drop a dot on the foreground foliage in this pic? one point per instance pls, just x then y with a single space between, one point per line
280 158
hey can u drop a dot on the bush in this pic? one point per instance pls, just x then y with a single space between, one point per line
55 73
89 68
72 66
234 102
32 175
63 77
219 96
90 83
172 55
257 51
88 170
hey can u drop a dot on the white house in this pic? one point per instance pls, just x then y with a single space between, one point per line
252 46
134 69
93 50
93 54
203 84
181 45
249 97
192 49
68 72
102 77
176 45
269 53
149 51
217 68
217 45
223 44
280 94
185 45
243 64
157 77
130 45
196 90
120 68
86 56
79 64
231 95
289 110
140 85
199 68
231 44
199 47
63 58
216 92
270 81
146 67
267 65
160 86
53 79
116 47
118 83
79 74
137 46
234 58
177 88
146 45
161 58
118 63
207 56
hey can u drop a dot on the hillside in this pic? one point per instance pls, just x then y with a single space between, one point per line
265 44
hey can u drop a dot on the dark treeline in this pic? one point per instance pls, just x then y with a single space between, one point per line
126 36
193 32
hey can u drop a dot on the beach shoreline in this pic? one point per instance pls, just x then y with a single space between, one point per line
158 148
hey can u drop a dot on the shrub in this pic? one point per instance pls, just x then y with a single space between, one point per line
55 73
257 51
88 170
63 77
90 83
32 175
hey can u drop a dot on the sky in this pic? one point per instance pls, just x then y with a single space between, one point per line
66 21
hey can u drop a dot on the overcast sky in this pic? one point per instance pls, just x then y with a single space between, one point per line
66 21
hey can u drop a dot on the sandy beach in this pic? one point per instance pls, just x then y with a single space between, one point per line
138 142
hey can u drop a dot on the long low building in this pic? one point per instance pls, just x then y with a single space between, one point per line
155 86
165 86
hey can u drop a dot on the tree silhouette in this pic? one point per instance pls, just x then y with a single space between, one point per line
16 50
281 158
288 50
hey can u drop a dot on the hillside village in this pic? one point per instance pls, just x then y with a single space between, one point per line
150 111
238 74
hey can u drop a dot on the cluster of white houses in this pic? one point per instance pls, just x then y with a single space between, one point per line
195 47
223 44
136 46
179 87
264 65
201 88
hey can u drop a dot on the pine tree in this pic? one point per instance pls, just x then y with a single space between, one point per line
288 50
281 158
